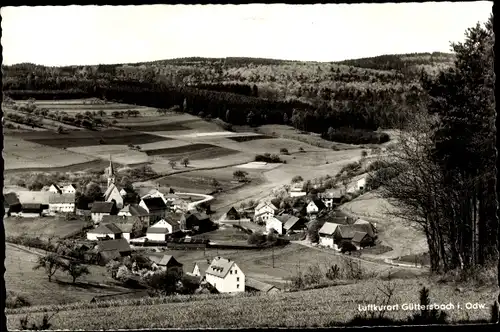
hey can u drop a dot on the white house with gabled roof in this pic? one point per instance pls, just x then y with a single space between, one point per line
225 276
264 211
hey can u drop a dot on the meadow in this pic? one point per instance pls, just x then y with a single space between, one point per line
44 228
33 285
318 308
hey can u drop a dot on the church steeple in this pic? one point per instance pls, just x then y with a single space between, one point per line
111 173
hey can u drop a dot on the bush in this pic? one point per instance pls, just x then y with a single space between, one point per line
268 158
13 301
347 246
284 151
257 239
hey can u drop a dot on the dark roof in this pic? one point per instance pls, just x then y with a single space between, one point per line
292 221
102 207
106 229
359 236
137 210
259 285
32 207
11 199
158 230
108 219
319 203
61 198
346 231
232 212
155 203
366 228
120 245
165 260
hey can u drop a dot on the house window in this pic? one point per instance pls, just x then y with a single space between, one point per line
231 272
235 271
238 279
237 285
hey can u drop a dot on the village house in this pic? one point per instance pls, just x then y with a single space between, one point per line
200 268
292 223
357 184
225 276
315 206
273 223
31 210
178 205
126 224
162 229
331 198
100 209
264 211
232 214
11 204
328 235
194 221
54 188
69 189
112 249
110 231
361 240
165 262
62 203
156 208
135 210
123 192
366 226
253 285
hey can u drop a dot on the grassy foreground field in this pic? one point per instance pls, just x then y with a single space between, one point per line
311 308
33 285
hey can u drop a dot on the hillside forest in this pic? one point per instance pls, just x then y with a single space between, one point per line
364 94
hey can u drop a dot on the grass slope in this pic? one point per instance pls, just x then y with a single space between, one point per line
311 308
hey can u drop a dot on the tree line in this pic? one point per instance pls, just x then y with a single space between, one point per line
446 161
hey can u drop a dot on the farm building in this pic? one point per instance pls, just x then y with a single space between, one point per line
165 262
294 193
367 228
69 189
157 234
200 268
155 193
252 285
291 223
225 276
156 208
60 203
315 206
112 249
134 210
273 223
361 240
178 205
345 232
358 183
194 221
104 231
232 214
264 211
372 230
331 197
54 188
11 204
113 194
126 224
328 235
31 210
100 209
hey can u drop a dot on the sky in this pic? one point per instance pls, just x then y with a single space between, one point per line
89 35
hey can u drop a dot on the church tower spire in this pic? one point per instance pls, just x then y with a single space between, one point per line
111 173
